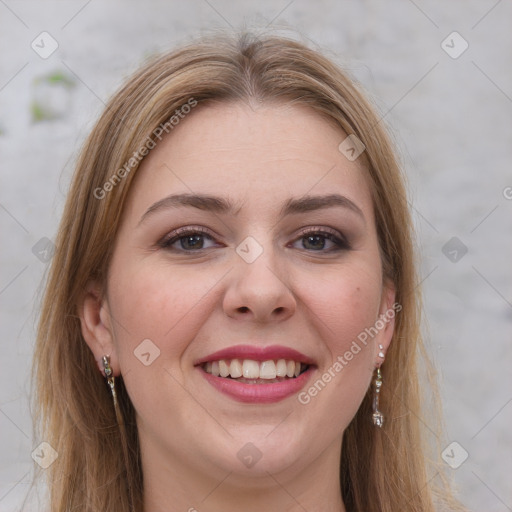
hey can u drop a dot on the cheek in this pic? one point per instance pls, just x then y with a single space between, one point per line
157 313
345 304
151 303
342 308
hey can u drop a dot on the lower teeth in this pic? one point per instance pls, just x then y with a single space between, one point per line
260 381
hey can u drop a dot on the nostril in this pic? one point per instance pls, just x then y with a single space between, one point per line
243 309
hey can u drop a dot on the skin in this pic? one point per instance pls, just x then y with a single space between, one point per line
191 304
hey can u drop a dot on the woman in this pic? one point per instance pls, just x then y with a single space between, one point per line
232 319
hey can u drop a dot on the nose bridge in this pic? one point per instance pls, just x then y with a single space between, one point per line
258 254
259 285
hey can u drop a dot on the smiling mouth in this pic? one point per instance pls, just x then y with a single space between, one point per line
249 371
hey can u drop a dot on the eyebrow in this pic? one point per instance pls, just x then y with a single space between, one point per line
221 205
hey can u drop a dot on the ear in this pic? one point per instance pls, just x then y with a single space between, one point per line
386 321
95 319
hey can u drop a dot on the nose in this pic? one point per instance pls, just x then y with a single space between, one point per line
259 291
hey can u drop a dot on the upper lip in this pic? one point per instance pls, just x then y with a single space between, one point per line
257 353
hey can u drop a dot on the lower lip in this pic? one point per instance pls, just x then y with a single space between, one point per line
258 393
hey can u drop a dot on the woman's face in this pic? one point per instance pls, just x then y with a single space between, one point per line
247 245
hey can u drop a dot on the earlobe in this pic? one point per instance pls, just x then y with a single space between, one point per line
96 326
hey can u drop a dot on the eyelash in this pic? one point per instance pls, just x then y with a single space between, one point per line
166 243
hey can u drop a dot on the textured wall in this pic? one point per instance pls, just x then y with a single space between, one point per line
449 108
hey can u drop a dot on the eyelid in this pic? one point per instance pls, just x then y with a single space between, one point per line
322 229
183 231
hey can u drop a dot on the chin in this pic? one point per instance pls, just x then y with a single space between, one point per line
257 451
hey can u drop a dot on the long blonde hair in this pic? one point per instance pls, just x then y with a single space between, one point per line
98 466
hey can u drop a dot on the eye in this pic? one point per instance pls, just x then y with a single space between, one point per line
194 239
188 239
322 240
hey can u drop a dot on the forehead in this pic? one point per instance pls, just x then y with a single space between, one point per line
256 155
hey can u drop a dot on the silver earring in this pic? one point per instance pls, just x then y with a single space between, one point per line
378 417
111 381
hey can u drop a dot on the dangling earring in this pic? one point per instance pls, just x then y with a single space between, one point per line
378 417
111 381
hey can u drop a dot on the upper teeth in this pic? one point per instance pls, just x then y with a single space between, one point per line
251 369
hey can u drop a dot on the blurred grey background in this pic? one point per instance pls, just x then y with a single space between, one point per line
440 73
